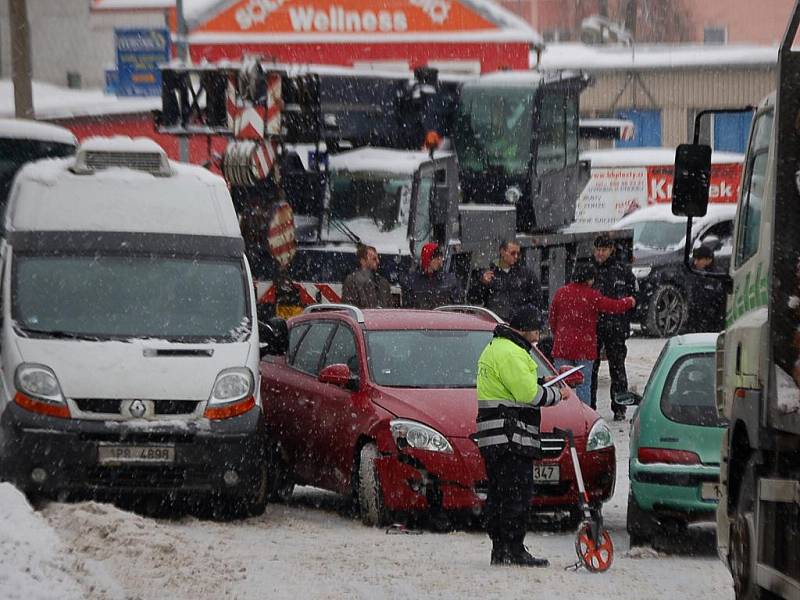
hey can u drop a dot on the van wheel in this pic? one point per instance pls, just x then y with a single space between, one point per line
369 492
253 503
666 311
280 482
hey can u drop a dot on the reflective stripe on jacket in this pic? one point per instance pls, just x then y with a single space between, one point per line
509 395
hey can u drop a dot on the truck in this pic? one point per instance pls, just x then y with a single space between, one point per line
758 353
313 154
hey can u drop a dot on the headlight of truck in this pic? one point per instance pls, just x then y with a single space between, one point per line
416 435
599 437
38 382
641 272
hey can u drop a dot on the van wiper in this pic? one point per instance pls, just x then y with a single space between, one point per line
69 335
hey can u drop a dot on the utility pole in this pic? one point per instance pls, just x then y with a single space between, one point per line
183 55
21 59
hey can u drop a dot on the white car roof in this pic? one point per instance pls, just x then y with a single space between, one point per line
49 196
24 129
646 157
663 212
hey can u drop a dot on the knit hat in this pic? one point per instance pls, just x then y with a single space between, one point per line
702 252
526 318
427 254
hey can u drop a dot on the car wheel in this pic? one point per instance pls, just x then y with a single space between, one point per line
639 523
280 481
666 311
370 495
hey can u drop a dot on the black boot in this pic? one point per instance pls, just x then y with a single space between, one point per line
520 556
500 554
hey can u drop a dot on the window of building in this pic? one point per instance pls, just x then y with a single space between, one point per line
715 35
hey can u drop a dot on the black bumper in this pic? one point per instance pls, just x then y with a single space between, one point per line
67 450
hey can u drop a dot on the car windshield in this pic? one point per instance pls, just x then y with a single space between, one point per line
494 129
430 358
658 235
688 394
180 299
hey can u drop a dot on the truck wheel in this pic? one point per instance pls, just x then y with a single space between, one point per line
666 311
639 523
742 553
370 495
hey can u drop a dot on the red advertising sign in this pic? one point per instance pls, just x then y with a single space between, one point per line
724 185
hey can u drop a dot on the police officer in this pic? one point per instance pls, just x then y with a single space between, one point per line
706 294
510 395
614 279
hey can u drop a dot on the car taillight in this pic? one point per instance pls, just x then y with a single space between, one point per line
667 456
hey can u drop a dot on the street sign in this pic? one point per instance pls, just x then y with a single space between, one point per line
139 52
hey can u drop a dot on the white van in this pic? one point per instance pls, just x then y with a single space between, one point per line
129 349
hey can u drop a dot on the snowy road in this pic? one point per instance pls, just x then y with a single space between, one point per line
310 550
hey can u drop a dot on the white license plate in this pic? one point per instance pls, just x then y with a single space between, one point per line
709 491
546 473
112 454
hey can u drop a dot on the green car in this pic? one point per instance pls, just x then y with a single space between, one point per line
676 435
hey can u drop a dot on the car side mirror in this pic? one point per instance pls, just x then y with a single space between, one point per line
273 337
573 380
691 180
337 374
628 399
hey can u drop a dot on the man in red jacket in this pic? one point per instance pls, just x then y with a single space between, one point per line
573 323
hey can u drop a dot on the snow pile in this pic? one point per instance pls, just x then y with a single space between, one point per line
33 562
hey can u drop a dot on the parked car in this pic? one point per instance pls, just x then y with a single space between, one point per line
675 441
380 405
662 307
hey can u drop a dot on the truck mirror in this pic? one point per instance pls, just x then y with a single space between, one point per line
691 180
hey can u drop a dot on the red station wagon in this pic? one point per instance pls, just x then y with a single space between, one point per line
381 404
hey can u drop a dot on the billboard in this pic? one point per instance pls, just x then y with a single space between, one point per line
139 52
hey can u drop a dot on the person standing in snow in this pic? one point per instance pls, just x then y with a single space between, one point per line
506 285
573 320
365 288
510 396
429 286
615 280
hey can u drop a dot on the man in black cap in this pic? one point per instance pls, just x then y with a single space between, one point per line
706 294
510 396
614 279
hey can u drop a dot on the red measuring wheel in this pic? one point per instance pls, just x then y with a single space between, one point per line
595 555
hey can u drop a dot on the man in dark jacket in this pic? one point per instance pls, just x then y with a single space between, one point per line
429 286
510 396
613 279
706 294
365 288
506 285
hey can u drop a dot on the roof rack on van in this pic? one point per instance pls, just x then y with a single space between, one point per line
478 311
357 313
140 154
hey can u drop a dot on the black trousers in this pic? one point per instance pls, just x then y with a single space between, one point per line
616 352
508 500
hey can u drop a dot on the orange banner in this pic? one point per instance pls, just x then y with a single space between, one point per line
346 17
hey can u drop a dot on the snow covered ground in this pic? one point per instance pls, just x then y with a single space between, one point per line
310 549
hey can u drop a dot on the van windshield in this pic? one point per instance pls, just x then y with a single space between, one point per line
119 297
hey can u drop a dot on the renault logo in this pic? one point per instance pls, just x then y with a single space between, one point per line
137 409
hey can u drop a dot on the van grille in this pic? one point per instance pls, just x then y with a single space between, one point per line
113 406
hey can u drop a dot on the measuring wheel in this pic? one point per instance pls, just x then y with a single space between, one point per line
594 554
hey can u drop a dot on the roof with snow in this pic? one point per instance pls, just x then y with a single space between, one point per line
663 212
54 102
655 56
25 129
380 160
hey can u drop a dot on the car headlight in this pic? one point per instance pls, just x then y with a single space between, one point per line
38 382
599 437
641 272
416 435
231 385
